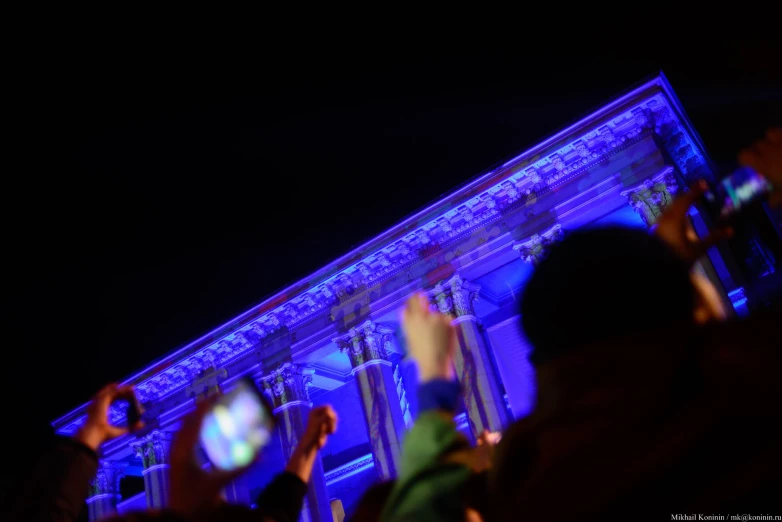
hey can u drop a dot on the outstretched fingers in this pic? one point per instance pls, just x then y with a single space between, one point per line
417 304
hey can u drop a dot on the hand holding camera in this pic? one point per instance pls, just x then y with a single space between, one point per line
97 429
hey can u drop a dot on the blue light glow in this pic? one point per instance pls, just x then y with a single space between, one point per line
414 255
739 301
546 165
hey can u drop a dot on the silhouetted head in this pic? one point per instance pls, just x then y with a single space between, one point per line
372 502
601 283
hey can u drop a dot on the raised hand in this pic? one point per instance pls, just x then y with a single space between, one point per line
431 339
192 489
675 229
489 438
765 157
322 422
97 429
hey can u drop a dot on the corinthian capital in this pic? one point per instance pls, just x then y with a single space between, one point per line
536 248
454 297
106 481
367 342
153 449
288 383
652 197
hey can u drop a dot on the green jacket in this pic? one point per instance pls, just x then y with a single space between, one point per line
428 488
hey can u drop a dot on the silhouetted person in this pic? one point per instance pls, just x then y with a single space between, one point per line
372 502
440 476
642 412
57 488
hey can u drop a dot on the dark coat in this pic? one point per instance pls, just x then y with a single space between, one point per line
650 426
56 490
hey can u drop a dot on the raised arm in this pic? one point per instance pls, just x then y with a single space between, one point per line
57 488
429 483
283 499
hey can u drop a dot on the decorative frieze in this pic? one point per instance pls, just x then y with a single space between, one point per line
153 449
286 384
367 342
207 384
536 248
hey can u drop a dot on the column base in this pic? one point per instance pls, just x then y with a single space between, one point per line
101 506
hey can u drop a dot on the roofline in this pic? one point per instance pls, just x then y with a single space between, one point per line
402 228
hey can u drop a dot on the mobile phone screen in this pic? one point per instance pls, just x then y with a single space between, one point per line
237 427
737 191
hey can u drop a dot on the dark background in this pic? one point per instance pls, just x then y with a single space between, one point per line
155 193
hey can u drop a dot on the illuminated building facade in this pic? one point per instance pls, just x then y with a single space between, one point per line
334 337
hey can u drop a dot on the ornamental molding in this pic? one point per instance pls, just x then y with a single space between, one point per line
153 449
454 297
650 110
287 384
536 248
349 469
652 197
367 342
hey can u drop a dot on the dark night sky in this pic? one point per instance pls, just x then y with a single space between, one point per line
159 194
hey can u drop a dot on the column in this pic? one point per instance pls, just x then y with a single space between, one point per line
368 347
104 491
484 403
286 387
153 449
513 364
206 385
237 492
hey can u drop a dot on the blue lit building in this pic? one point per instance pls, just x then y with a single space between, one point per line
333 337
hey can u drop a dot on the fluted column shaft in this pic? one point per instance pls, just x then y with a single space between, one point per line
368 350
154 450
286 387
483 399
104 491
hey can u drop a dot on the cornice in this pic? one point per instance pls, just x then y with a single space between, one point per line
650 108
349 469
